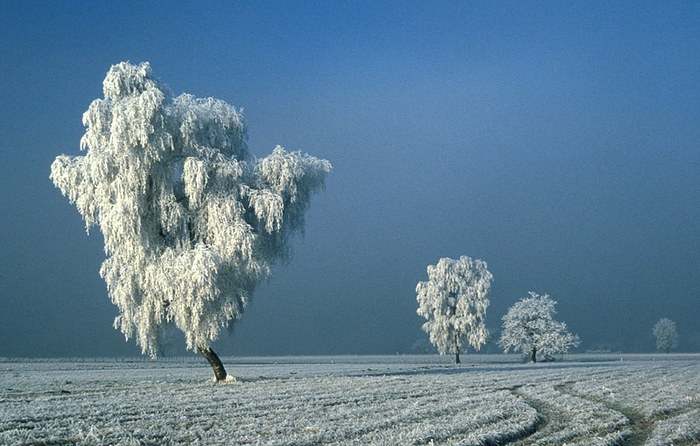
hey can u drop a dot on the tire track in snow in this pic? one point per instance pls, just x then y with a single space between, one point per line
454 423
569 419
640 426
544 416
515 406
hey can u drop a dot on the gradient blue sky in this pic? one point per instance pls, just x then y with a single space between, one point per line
558 141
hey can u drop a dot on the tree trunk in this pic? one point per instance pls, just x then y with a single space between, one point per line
533 358
214 362
457 361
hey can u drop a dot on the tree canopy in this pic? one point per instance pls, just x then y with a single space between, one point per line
529 327
453 300
666 335
191 221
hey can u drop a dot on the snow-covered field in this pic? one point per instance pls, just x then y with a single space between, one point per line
644 399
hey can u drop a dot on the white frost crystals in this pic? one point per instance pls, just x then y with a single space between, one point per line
665 334
529 327
454 302
191 221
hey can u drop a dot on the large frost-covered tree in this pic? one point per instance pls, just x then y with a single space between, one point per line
666 335
529 327
454 302
191 221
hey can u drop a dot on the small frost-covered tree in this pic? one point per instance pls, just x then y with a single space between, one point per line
454 302
666 335
529 327
191 221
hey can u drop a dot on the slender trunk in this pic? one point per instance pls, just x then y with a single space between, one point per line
457 361
214 362
533 358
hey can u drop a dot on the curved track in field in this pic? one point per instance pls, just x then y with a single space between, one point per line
605 404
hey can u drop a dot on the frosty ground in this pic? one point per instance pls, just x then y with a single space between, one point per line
613 399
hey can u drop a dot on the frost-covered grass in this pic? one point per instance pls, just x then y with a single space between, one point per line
352 400
571 418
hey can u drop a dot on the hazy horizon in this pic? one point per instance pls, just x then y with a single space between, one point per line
558 142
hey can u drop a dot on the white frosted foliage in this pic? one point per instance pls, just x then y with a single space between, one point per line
666 335
529 327
453 300
191 221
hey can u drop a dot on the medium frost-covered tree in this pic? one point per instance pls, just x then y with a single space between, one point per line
529 327
666 335
454 302
191 221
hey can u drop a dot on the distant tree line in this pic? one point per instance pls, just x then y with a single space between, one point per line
453 301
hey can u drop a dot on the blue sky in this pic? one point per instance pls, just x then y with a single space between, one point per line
558 141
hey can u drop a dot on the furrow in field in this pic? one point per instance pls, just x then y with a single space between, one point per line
570 419
661 402
635 403
487 419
